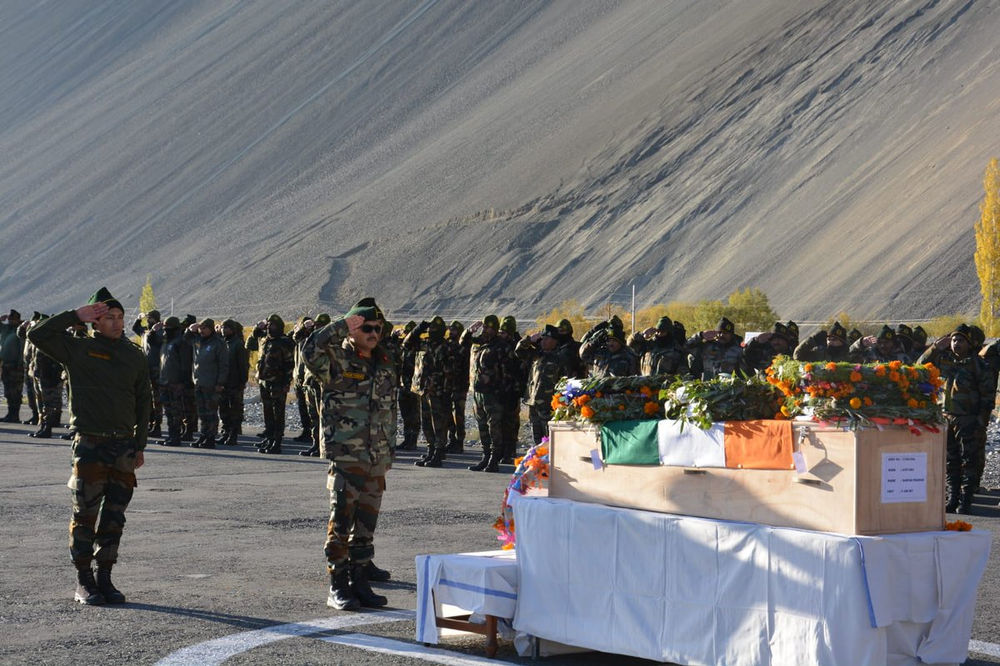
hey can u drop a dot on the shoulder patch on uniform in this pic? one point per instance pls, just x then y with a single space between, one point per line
100 355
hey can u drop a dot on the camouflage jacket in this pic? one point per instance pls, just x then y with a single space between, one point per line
968 388
358 412
276 360
757 356
623 363
814 348
659 357
432 364
458 359
710 358
239 361
488 361
515 372
547 368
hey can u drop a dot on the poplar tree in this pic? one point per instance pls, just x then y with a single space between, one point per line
988 249
147 301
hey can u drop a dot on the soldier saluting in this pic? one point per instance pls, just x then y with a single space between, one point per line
110 402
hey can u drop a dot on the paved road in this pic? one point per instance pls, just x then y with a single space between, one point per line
223 544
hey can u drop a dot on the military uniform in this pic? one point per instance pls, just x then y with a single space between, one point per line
760 352
885 350
966 399
298 381
173 372
47 375
430 381
313 388
189 412
210 370
151 341
231 397
599 357
660 355
358 437
572 349
515 380
458 388
817 347
711 358
548 366
110 414
29 378
12 365
409 402
488 357
274 375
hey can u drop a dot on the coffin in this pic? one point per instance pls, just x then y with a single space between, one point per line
863 482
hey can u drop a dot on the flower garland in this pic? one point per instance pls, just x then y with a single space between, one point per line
532 471
704 402
877 393
957 526
601 399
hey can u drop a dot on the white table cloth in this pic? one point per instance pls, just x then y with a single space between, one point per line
699 591
484 583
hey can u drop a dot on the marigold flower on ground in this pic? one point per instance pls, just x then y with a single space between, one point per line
856 403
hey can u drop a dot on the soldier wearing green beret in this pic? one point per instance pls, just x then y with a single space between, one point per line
488 361
824 346
432 367
274 376
659 353
603 350
550 361
883 348
715 352
110 402
515 384
359 438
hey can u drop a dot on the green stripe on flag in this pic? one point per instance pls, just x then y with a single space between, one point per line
629 443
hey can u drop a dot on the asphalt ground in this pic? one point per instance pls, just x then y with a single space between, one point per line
223 543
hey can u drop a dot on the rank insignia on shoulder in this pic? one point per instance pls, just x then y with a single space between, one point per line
100 355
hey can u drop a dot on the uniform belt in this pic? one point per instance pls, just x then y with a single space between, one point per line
111 434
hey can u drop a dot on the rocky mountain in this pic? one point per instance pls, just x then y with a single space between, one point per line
455 156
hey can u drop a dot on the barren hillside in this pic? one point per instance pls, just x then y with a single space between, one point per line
463 156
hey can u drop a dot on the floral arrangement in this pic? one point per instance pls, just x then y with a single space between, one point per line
531 471
957 526
601 399
871 393
703 402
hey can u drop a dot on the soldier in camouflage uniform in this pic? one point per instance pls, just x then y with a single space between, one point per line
488 357
110 412
29 377
313 386
882 349
189 413
715 352
990 356
409 402
577 369
760 352
919 345
823 346
430 381
231 398
458 387
359 436
966 401
151 341
550 362
792 330
11 365
46 373
210 370
515 385
301 331
604 351
274 375
658 352
173 372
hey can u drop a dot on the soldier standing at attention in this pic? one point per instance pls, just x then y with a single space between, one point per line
430 382
409 402
28 354
11 365
359 438
110 402
210 370
488 359
967 400
458 388
302 329
47 375
151 341
274 375
231 398
550 362
172 374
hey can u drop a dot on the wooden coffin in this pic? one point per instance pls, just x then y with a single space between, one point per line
852 483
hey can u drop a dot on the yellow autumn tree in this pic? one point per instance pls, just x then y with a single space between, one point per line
988 249
147 301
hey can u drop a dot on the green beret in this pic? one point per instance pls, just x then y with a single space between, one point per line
664 324
437 322
887 334
322 319
838 331
565 324
276 318
456 324
726 326
102 295
366 308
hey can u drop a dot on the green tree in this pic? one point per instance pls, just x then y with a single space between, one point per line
147 301
988 250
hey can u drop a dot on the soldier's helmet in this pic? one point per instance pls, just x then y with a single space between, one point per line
837 331
508 325
887 334
492 322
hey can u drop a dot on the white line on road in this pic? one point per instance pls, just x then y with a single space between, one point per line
218 650
413 650
979 647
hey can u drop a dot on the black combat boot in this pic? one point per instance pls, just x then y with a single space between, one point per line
341 595
231 439
33 420
275 446
424 459
436 457
304 438
187 435
156 431
264 443
483 462
209 441
493 465
87 591
311 451
223 436
43 432
376 574
363 590
107 588
954 493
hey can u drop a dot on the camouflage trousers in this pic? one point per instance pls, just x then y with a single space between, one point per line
231 408
355 501
172 399
29 392
272 400
511 424
101 487
409 409
313 397
456 420
189 409
13 386
302 403
207 399
434 416
156 413
489 417
49 401
539 416
963 456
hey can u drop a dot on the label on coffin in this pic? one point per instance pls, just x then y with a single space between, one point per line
904 477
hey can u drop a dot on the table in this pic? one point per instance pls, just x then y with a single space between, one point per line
701 591
483 583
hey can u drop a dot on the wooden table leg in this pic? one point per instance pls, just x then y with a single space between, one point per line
491 636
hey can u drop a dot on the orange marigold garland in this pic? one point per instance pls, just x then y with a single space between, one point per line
531 471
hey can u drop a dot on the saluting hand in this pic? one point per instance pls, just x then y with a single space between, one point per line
91 313
354 323
476 328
